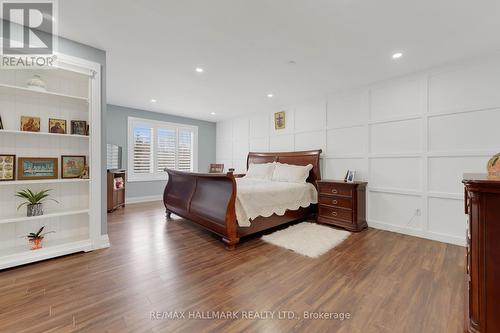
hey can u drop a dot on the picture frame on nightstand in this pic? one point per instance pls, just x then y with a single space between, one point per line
349 176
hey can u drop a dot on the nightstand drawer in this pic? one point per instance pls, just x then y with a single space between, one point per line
335 189
335 201
335 213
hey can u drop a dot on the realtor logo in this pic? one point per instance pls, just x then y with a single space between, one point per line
29 34
28 28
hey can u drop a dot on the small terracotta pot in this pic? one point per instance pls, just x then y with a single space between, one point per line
36 244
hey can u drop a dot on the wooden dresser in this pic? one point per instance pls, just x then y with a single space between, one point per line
482 204
342 204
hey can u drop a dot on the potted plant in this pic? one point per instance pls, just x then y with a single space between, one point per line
35 238
34 201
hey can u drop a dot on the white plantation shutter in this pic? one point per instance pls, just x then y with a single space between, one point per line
185 150
143 150
154 146
167 147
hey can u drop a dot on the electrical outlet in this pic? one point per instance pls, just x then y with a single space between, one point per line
418 212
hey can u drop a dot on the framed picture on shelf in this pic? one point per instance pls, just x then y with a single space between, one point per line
79 127
57 126
30 124
72 166
32 168
7 167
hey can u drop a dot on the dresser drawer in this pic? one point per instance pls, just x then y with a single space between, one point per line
335 213
335 201
335 189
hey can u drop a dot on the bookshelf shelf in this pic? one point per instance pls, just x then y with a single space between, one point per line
35 134
4 86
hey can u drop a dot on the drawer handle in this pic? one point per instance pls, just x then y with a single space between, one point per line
334 202
334 191
334 213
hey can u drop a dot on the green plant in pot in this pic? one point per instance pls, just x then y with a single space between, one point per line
34 201
36 238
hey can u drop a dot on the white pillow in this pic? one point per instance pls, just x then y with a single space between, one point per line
260 171
291 173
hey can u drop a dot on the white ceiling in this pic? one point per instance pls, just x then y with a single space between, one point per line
244 46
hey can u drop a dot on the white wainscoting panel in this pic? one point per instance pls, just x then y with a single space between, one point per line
396 173
345 141
396 137
240 129
411 138
259 125
259 144
399 98
444 172
446 217
395 210
310 140
281 143
471 131
462 88
348 108
240 149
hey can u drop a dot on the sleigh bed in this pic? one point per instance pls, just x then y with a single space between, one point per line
209 199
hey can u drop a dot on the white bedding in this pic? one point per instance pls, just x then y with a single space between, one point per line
257 197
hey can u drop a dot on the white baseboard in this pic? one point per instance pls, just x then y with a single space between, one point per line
133 200
418 233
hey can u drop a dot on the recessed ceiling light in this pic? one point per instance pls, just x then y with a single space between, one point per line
153 100
270 95
199 70
212 113
397 55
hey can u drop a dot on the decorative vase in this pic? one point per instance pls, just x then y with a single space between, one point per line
36 83
494 166
35 210
36 244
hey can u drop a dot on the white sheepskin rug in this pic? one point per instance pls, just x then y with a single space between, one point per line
309 239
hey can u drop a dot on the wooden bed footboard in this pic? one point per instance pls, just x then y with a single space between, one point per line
207 199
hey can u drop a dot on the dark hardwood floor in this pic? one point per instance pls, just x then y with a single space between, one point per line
386 281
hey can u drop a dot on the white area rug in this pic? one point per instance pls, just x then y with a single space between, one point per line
308 239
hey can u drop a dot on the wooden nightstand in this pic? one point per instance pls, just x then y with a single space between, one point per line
342 204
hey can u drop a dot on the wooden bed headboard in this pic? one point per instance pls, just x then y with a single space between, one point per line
296 158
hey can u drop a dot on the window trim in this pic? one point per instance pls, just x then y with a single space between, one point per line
155 124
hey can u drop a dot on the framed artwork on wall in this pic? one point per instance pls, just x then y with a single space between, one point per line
1 124
7 167
37 168
279 120
72 166
57 126
30 124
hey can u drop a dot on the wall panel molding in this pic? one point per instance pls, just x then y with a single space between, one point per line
406 136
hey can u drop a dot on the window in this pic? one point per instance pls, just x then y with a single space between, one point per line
155 145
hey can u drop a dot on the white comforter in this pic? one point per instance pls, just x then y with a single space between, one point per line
264 198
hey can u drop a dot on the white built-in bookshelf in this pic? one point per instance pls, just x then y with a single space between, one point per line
72 93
